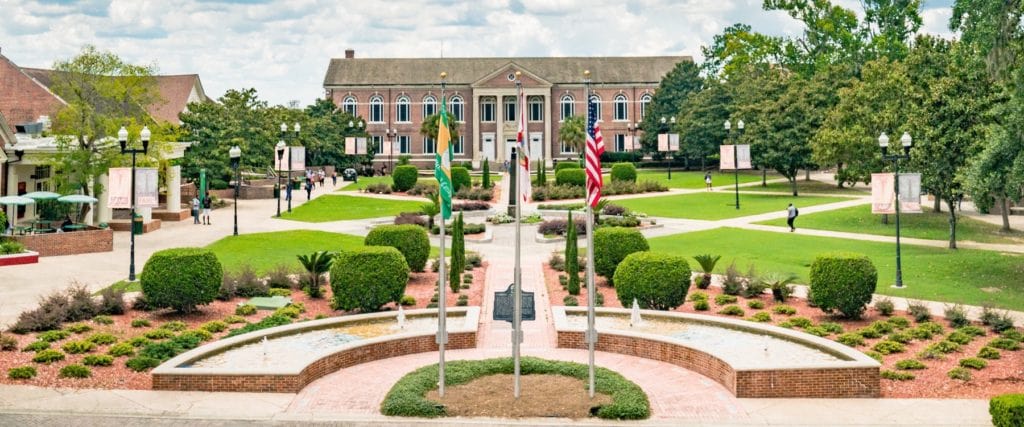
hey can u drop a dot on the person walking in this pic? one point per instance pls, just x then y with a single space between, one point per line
707 180
195 210
791 214
322 175
334 178
309 189
207 203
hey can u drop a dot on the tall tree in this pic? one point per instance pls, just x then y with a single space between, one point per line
832 35
573 133
238 118
738 48
891 23
701 117
672 92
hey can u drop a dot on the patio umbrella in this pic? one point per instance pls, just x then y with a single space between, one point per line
41 195
17 201
77 198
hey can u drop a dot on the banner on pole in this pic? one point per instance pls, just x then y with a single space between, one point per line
910 193
297 160
673 142
743 156
350 145
146 188
361 145
284 162
726 157
883 194
662 142
396 147
119 188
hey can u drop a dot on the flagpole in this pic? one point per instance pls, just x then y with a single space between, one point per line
591 334
442 329
517 313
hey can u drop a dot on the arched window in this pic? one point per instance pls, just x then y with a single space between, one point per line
621 110
349 105
458 107
376 109
429 106
536 108
402 110
510 108
597 106
487 109
644 101
568 107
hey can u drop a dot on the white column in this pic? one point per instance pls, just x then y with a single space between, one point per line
547 129
174 188
103 211
12 190
476 142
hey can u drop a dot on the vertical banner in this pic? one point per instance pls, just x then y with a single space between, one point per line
662 142
146 188
350 145
726 157
673 142
385 147
743 156
361 145
883 194
119 188
396 147
910 193
297 160
282 165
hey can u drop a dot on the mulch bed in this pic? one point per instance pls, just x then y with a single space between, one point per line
542 396
1004 375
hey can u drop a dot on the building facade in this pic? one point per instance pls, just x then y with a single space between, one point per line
393 96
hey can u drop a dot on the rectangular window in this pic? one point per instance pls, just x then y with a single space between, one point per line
487 111
620 142
568 108
403 144
567 149
429 109
620 110
378 144
536 110
376 113
458 110
429 145
402 113
510 109
458 146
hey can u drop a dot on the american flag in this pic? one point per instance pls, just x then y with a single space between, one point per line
594 149
524 152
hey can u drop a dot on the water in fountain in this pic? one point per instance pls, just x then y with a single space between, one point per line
634 317
401 317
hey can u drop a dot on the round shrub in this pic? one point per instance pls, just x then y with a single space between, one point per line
98 360
624 172
48 356
410 240
102 338
656 280
78 347
368 278
121 349
181 278
142 363
214 326
1007 410
973 363
701 305
567 165
989 353
572 177
404 177
843 282
612 245
21 373
460 178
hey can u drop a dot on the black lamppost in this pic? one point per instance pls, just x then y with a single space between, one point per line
280 147
735 157
906 141
392 133
122 138
236 157
632 128
671 153
285 135
352 124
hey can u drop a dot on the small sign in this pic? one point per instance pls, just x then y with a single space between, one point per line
350 145
673 142
361 145
662 142
504 305
297 159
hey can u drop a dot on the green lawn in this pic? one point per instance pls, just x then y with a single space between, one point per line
340 208
928 273
810 187
927 225
718 205
263 251
695 179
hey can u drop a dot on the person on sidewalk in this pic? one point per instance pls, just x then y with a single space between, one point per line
707 180
207 203
791 214
309 189
195 210
334 178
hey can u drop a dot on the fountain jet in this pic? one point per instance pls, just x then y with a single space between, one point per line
401 317
634 317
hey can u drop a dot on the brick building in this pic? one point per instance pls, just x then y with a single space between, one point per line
394 95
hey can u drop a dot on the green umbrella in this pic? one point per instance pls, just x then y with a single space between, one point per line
77 198
41 195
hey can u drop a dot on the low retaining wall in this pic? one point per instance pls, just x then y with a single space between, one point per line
19 259
857 378
70 243
172 376
124 225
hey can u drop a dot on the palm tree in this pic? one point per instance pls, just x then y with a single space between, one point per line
316 264
781 284
707 264
572 132
431 209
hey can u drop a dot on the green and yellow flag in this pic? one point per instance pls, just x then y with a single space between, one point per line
443 162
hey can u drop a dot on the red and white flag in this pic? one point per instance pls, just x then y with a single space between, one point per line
593 150
524 153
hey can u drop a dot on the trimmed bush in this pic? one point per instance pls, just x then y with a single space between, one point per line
1004 344
571 177
37 346
613 244
885 306
843 282
889 347
369 277
784 309
460 178
140 323
1013 334
899 323
267 322
98 360
868 332
410 240
989 353
78 347
404 177
572 264
103 319
755 304
701 305
723 299
158 334
214 326
851 340
245 310
624 172
959 374
910 364
234 318
973 363
919 311
121 349
761 316
801 322
202 334
731 310
48 356
53 336
138 342
959 338
142 363
75 371
78 328
656 280
900 337
21 373
1007 410
566 165
102 338
831 327
896 375
181 278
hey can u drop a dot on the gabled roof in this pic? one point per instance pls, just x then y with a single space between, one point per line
7 137
23 98
466 71
510 66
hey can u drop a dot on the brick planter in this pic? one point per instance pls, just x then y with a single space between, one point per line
70 243
124 225
19 259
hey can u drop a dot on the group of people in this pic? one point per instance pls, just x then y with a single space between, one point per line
204 216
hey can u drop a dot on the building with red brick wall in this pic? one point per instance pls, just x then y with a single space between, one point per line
394 95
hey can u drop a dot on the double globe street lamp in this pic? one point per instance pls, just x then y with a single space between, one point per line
281 147
122 139
906 141
235 153
671 153
735 157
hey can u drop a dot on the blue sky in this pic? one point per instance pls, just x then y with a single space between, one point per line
282 47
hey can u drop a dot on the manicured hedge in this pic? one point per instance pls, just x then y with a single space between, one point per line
575 177
1007 410
368 277
460 178
624 172
404 177
656 280
612 245
843 282
406 398
410 240
181 278
566 165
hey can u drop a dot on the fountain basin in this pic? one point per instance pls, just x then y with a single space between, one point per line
299 353
730 352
